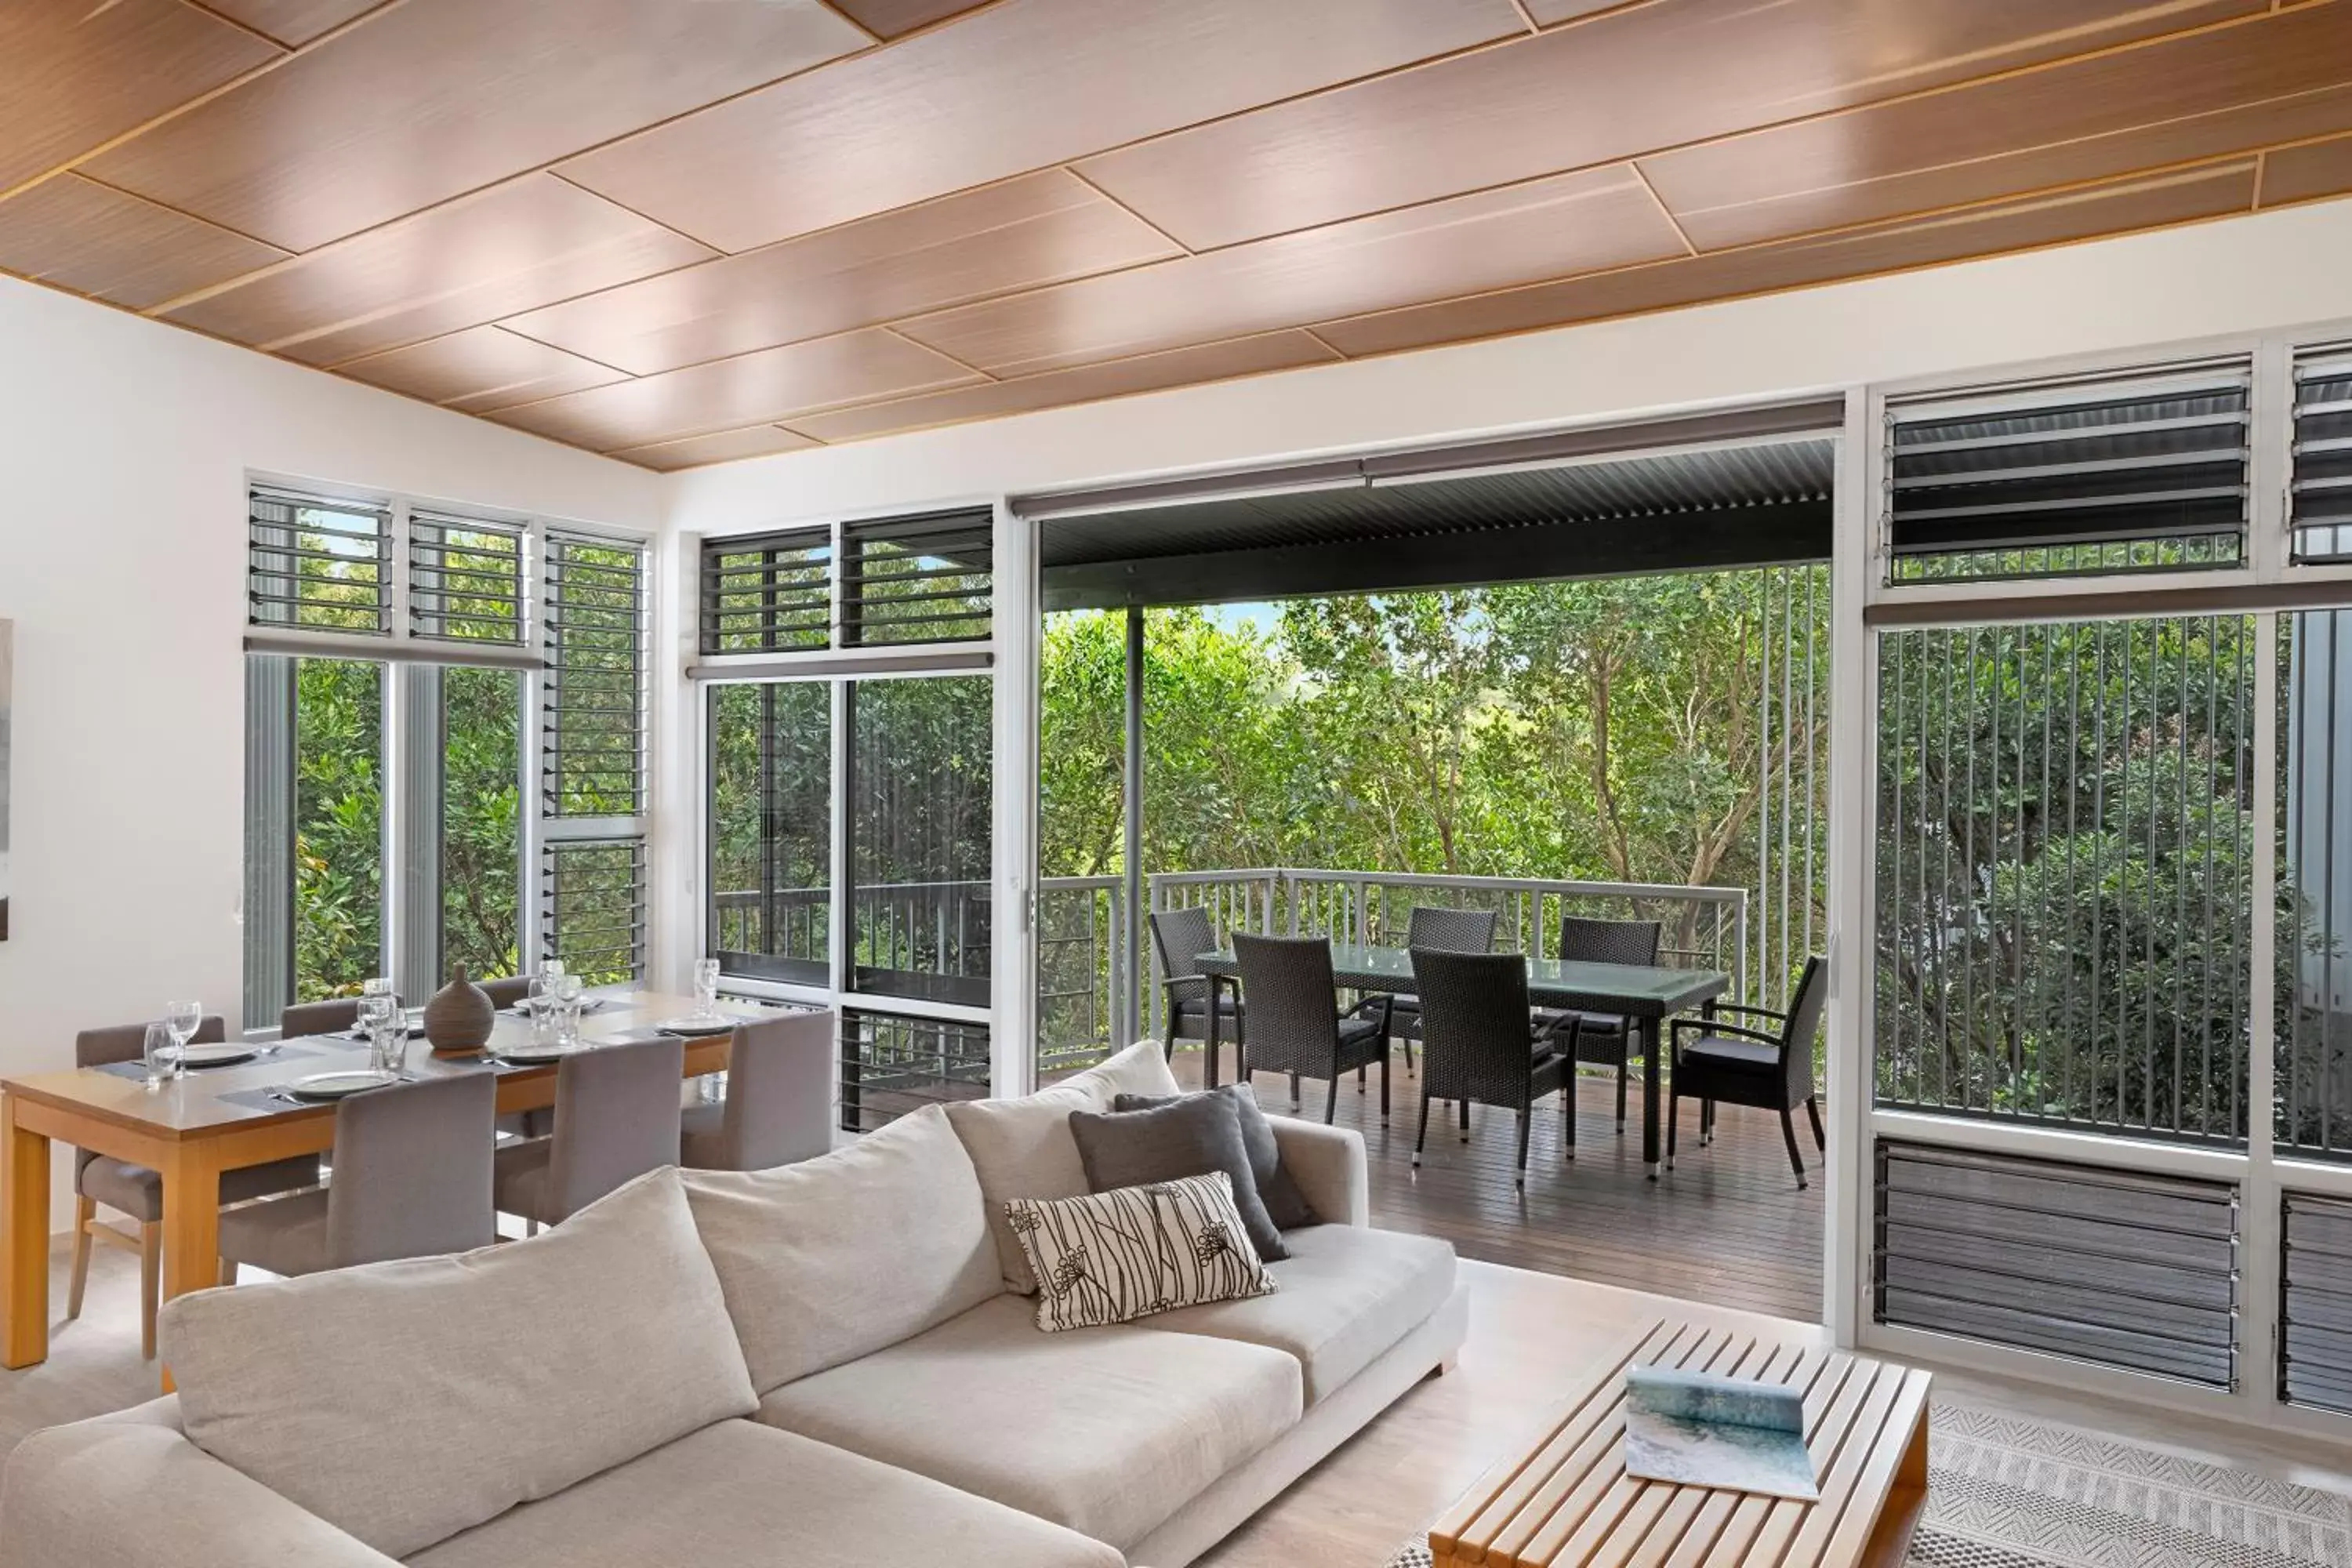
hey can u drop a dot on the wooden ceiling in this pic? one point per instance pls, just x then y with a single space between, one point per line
698 231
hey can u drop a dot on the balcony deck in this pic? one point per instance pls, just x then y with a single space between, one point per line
1729 1228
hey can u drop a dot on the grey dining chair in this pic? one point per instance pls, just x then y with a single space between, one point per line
1604 1039
326 1017
1179 937
1767 1067
1480 1043
1428 927
779 1104
1299 1026
411 1179
616 1117
506 991
137 1192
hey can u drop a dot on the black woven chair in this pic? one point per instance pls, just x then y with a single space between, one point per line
1479 1043
1719 1062
1604 1039
1429 928
1179 937
1296 1025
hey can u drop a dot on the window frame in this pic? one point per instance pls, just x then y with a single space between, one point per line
411 771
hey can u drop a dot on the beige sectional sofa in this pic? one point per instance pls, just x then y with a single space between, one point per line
826 1363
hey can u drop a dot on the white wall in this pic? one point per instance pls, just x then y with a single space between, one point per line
124 447
2268 270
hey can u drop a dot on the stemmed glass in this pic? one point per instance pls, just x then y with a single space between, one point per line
706 988
182 1019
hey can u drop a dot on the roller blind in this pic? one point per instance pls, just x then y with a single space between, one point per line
2117 474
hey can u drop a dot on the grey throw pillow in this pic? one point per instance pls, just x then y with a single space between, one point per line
1277 1189
1190 1136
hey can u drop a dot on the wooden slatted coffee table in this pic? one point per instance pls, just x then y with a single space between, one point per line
1565 1498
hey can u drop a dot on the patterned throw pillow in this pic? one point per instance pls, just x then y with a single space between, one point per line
1114 1257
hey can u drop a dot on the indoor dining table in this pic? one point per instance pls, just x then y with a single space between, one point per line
1645 996
208 1121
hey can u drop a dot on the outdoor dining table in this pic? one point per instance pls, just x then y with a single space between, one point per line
211 1120
1645 996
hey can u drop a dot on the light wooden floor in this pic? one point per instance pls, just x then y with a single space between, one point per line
1729 1226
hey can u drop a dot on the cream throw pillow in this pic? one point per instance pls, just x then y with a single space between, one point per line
1113 1257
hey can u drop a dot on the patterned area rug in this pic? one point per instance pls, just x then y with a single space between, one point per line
2008 1493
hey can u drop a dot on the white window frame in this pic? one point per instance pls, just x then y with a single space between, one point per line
396 648
2268 585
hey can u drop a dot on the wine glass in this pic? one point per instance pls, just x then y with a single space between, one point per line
706 988
183 1019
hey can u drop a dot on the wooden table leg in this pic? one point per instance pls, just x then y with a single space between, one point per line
190 1224
25 1250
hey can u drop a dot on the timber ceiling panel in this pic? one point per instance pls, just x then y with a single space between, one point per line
689 233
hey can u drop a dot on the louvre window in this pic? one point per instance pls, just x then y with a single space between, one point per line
2320 503
923 579
2316 1309
316 564
891 1066
2115 476
464 580
2125 1270
593 718
769 595
592 907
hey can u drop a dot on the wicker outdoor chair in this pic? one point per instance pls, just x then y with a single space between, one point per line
1297 1025
1480 1043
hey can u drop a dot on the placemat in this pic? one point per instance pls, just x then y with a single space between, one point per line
136 1070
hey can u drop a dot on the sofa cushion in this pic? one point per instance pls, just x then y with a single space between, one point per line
1023 1148
407 1401
1109 1257
1107 1431
830 1258
1277 1189
1188 1136
740 1495
1343 1297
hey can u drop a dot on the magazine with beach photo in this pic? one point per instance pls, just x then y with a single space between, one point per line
1731 1434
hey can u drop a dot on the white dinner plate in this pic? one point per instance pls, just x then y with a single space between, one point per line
698 1026
533 1056
329 1085
222 1054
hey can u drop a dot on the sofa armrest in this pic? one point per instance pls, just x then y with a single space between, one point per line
134 1493
1328 1163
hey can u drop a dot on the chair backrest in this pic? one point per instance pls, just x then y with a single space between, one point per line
1476 1039
505 992
127 1042
412 1171
616 1110
1608 941
1431 928
1805 1004
1294 1001
1181 936
318 1017
780 1076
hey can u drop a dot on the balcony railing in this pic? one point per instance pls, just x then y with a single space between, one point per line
1083 923
942 929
